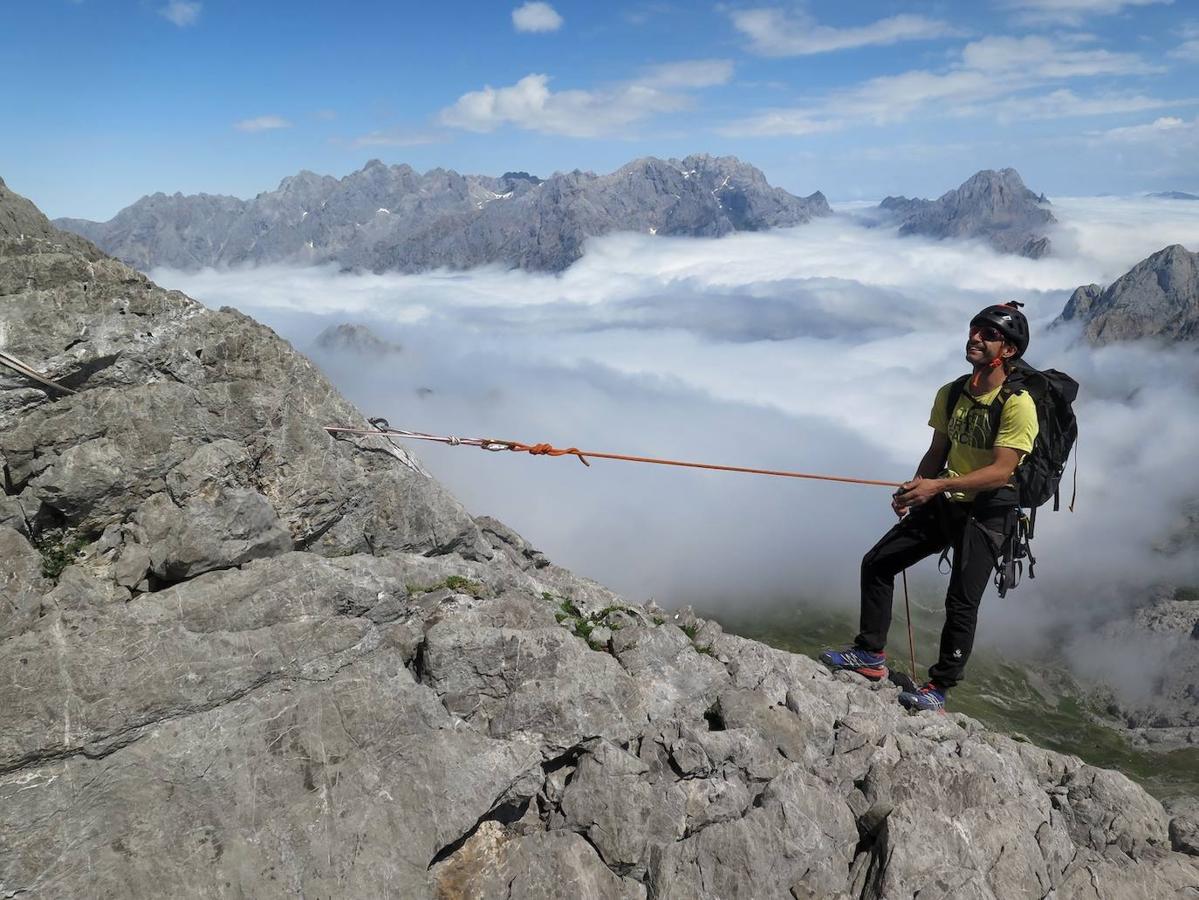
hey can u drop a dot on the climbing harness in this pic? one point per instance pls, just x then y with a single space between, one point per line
7 359
497 445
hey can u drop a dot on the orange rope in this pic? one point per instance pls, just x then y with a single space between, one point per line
550 450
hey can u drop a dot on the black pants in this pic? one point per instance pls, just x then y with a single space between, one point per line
975 534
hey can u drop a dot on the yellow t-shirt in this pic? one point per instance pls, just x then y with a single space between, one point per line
969 430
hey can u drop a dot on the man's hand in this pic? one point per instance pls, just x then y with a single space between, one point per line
915 493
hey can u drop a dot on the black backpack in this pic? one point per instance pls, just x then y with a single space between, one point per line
1039 476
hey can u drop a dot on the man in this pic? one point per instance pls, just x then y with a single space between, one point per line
961 497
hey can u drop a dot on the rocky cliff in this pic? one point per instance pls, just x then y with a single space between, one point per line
1156 298
393 218
240 658
994 206
1167 625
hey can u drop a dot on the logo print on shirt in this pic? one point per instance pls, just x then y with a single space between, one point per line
971 427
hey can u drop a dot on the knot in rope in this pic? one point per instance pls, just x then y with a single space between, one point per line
453 441
549 450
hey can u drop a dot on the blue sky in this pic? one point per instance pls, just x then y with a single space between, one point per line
128 97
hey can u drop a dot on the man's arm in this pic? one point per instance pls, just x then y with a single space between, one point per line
996 475
931 464
934 457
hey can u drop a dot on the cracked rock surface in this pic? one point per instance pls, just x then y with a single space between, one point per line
240 658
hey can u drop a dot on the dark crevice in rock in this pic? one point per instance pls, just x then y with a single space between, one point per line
872 840
154 583
417 666
714 719
74 343
624 870
568 757
505 813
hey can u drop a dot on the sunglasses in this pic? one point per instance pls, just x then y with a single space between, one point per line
988 333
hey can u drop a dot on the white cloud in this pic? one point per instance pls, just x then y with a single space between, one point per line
777 32
530 104
1073 12
1064 103
761 349
262 123
182 12
1188 50
988 70
1039 57
536 17
1167 129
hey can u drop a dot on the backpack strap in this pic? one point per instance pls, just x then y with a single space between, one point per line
957 387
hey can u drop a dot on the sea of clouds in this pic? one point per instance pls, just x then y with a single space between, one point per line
817 349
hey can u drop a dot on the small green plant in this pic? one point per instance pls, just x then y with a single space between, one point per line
706 650
569 610
58 551
690 630
585 623
658 620
463 585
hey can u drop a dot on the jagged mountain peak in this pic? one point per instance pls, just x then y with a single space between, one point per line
991 204
1156 298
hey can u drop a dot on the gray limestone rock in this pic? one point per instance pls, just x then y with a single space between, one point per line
1157 298
21 583
392 218
228 528
674 672
535 680
1184 834
357 339
541 866
623 812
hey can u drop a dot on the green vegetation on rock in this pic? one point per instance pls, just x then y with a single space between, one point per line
59 550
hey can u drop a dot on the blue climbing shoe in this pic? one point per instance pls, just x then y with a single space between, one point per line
855 659
929 697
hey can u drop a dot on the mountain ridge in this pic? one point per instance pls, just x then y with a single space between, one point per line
392 218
